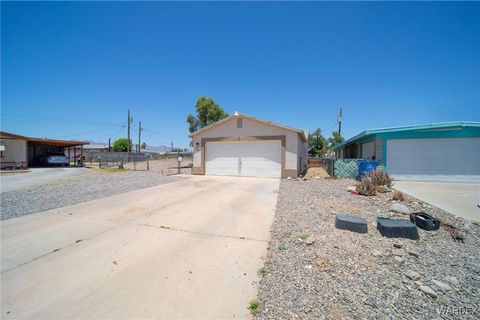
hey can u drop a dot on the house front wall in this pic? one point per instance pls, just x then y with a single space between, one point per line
466 132
15 150
251 130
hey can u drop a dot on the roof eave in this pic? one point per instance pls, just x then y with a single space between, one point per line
432 126
301 132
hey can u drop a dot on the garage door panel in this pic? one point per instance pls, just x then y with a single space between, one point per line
253 158
456 156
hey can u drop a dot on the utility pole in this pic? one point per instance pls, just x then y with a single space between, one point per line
140 129
172 147
130 119
109 146
340 121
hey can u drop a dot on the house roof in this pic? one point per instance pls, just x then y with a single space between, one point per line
96 146
421 127
242 115
45 141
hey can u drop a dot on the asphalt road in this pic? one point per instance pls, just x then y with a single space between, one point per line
187 249
460 199
37 176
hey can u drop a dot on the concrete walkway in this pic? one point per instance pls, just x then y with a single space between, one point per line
460 199
188 249
37 176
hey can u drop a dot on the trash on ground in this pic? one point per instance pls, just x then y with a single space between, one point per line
425 221
454 232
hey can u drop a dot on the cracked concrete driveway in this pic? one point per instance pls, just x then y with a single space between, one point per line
187 249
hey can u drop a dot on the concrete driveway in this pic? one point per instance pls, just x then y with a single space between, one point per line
37 176
187 249
460 199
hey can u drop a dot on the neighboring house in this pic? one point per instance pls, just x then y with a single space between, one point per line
20 151
438 149
241 145
97 147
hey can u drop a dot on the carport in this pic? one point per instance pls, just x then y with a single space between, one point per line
19 151
38 148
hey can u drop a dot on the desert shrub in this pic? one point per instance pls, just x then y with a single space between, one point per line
397 195
366 186
381 178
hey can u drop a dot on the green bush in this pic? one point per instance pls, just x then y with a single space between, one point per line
122 145
253 307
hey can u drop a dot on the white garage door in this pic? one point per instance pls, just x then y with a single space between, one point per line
249 159
433 157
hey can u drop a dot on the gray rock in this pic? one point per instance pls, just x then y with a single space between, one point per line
310 240
414 253
399 261
413 275
398 245
452 280
398 252
428 291
442 285
376 253
399 208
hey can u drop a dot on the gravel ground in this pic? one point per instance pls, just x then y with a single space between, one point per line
93 185
346 275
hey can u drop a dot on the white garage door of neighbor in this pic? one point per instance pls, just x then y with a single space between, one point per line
249 159
458 156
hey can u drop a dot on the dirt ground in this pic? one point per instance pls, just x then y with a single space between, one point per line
164 166
313 173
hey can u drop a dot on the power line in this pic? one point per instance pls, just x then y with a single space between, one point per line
116 133
88 132
168 136
156 135
47 119
333 126
156 138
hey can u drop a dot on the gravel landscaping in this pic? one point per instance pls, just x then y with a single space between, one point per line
314 271
93 185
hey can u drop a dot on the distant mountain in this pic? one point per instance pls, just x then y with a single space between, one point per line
160 149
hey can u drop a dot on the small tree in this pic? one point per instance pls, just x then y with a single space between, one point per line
208 112
317 144
122 145
144 146
334 140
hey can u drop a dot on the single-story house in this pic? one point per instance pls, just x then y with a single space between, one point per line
437 149
242 145
18 151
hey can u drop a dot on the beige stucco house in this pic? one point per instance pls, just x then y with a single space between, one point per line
241 145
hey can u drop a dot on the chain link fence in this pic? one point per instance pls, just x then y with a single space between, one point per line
338 168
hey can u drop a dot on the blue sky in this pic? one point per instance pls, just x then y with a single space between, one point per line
71 70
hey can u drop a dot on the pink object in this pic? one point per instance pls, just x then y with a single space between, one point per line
355 193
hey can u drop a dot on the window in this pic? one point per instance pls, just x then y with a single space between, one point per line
239 123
